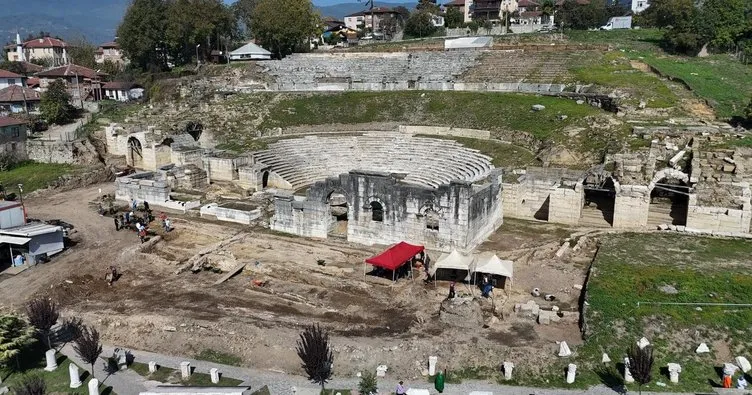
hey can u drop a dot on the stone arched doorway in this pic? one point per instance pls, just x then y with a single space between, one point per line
135 153
600 199
669 202
339 211
265 179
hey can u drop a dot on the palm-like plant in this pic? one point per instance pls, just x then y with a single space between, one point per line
641 364
43 314
316 353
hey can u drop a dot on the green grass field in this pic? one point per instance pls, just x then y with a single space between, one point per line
488 111
33 175
57 382
172 376
627 274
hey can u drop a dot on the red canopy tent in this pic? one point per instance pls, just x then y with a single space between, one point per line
395 256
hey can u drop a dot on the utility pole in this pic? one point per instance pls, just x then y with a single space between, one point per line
78 89
198 62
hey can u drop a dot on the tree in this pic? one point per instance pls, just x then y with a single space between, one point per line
548 8
73 327
368 384
244 12
16 335
402 14
641 364
419 25
55 104
29 384
668 13
141 34
453 18
428 6
82 53
722 23
316 353
284 26
194 26
88 347
43 314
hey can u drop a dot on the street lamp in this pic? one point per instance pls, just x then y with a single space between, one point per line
198 62
20 195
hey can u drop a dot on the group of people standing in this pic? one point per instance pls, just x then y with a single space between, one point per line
131 219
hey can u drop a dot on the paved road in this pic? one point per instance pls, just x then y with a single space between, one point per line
129 383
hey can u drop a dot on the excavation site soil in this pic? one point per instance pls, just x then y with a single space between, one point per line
159 304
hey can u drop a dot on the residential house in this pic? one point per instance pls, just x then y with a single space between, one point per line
29 68
18 99
463 6
82 83
109 51
51 49
13 133
486 10
250 51
123 91
7 79
376 19
531 13
639 6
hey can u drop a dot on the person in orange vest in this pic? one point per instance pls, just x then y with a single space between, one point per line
727 381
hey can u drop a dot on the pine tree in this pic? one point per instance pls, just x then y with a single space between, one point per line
16 335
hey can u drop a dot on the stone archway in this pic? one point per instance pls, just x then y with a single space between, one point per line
669 198
135 155
265 179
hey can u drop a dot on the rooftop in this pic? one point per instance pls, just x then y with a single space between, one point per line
32 229
120 85
15 93
71 70
9 121
8 74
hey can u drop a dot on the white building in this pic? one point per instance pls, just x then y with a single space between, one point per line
639 6
250 51
123 91
7 79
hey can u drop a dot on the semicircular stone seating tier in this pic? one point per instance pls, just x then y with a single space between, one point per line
428 162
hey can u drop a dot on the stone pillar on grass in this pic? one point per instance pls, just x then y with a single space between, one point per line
51 360
214 373
673 372
432 365
152 366
75 378
571 371
508 367
93 387
185 370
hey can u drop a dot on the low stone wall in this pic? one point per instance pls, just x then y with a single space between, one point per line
631 206
229 214
142 186
71 152
718 220
446 131
511 87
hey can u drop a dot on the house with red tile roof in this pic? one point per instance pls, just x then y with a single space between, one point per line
83 83
47 48
109 51
368 19
8 78
13 133
19 99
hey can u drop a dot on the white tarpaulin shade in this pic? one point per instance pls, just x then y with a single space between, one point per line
489 263
453 260
15 240
250 51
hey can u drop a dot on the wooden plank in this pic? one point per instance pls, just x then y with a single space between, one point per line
231 273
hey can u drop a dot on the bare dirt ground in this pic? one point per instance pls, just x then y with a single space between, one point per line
373 321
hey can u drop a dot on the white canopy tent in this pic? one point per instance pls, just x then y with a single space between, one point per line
489 263
454 260
250 51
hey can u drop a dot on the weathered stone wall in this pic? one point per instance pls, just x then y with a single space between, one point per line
631 206
230 215
466 214
184 157
117 140
527 200
183 177
445 131
565 205
224 169
719 219
142 186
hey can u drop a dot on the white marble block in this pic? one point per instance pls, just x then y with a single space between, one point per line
51 360
673 372
508 367
432 365
571 371
93 387
627 374
214 372
185 370
75 378
152 366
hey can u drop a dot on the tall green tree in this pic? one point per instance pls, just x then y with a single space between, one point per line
193 25
723 22
453 17
55 104
428 6
16 335
141 34
668 13
243 10
284 26
419 25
